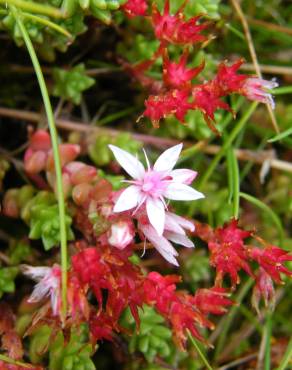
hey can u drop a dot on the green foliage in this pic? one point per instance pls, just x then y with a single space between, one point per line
195 126
153 338
69 84
46 39
45 224
39 343
4 167
196 268
42 215
101 9
208 8
20 251
115 180
7 277
215 206
138 48
100 153
74 355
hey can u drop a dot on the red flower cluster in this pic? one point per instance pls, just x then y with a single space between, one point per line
230 254
183 311
135 8
175 29
105 269
109 269
177 94
271 259
160 106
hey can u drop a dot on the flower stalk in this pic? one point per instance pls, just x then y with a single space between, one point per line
53 132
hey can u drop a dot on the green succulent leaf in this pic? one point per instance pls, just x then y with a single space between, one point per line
7 277
74 355
154 337
70 84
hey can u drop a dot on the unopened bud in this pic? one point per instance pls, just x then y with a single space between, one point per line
121 234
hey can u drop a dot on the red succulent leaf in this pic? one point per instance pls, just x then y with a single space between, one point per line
11 341
228 253
264 288
173 102
110 269
135 8
174 29
227 78
176 75
189 32
271 259
101 326
25 366
40 140
213 300
207 99
183 311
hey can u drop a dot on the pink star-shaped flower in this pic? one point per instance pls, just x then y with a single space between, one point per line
151 186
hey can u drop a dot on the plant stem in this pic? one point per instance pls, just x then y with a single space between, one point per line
233 174
282 90
48 23
9 360
227 144
287 357
33 7
227 320
57 161
258 203
201 355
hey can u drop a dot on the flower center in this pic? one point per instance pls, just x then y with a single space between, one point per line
153 183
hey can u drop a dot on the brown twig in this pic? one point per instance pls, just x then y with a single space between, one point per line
258 157
253 54
247 330
270 26
48 71
237 362
266 68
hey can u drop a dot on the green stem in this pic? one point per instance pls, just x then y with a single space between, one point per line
48 23
227 144
282 90
287 357
227 320
261 205
201 355
33 7
9 360
233 174
54 137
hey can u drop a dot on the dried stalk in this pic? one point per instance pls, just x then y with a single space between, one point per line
253 54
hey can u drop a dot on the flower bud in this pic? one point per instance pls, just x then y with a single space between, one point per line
68 152
35 162
40 140
121 234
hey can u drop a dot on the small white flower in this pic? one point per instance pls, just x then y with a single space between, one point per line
173 231
151 186
49 282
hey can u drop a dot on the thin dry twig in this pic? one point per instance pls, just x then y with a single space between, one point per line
253 54
240 361
270 26
258 157
267 68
